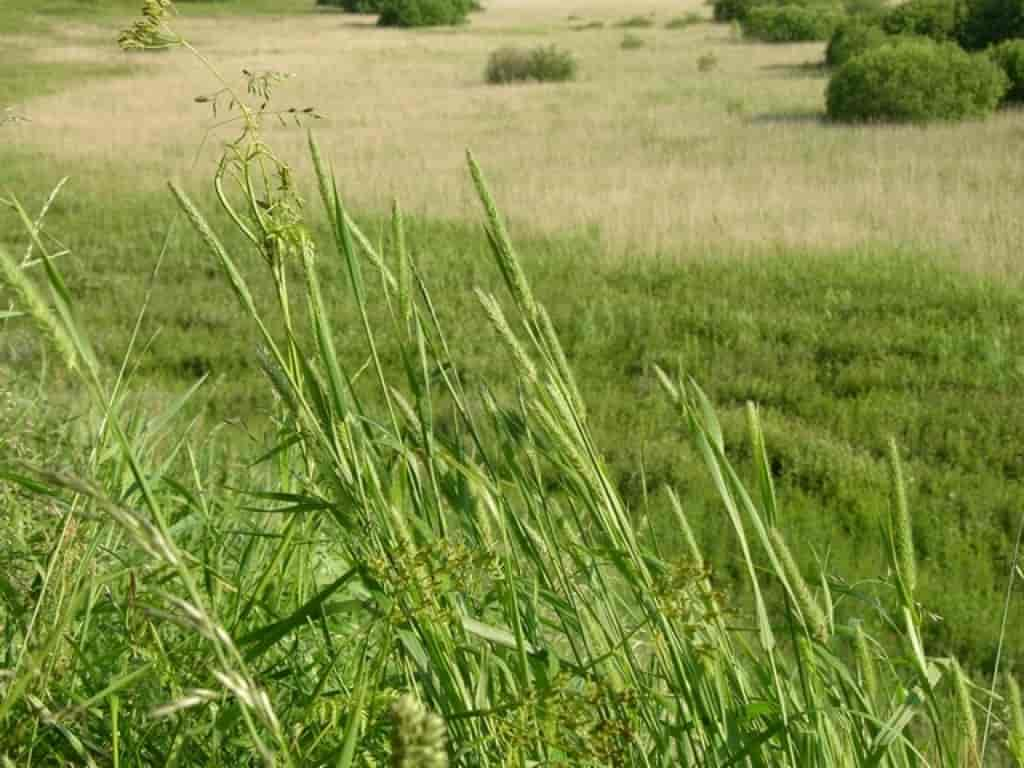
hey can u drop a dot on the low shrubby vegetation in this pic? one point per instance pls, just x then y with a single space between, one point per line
1009 56
636 22
852 38
915 81
684 22
631 42
707 62
791 23
935 19
894 86
545 63
424 13
988 22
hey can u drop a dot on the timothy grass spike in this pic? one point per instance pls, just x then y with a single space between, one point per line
901 532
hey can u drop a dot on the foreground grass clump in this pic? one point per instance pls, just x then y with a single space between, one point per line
915 81
541 64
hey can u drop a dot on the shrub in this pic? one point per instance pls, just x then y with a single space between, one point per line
988 22
549 63
682 22
869 11
542 64
632 42
423 13
636 21
707 62
791 23
850 39
915 81
739 10
1009 56
732 10
936 19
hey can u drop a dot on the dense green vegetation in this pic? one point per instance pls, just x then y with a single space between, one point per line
791 23
450 545
852 38
935 19
916 81
840 349
1009 55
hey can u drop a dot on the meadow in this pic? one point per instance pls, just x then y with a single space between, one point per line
856 283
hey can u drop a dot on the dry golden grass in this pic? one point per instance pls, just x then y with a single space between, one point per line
644 149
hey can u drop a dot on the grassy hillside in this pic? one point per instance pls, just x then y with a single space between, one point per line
840 349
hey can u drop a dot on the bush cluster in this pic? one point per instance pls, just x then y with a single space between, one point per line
1009 56
732 10
423 13
989 22
542 64
936 19
915 81
851 38
791 23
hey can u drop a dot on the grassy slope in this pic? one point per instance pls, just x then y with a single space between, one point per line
840 349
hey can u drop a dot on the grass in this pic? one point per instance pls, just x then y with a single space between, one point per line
451 540
840 349
841 346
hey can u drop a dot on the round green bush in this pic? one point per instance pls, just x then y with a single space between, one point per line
937 19
791 23
1009 56
852 38
915 81
988 22
423 13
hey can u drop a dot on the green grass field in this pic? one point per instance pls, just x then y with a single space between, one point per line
841 348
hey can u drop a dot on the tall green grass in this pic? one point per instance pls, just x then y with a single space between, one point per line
470 551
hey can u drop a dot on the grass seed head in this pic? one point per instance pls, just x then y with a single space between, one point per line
419 737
